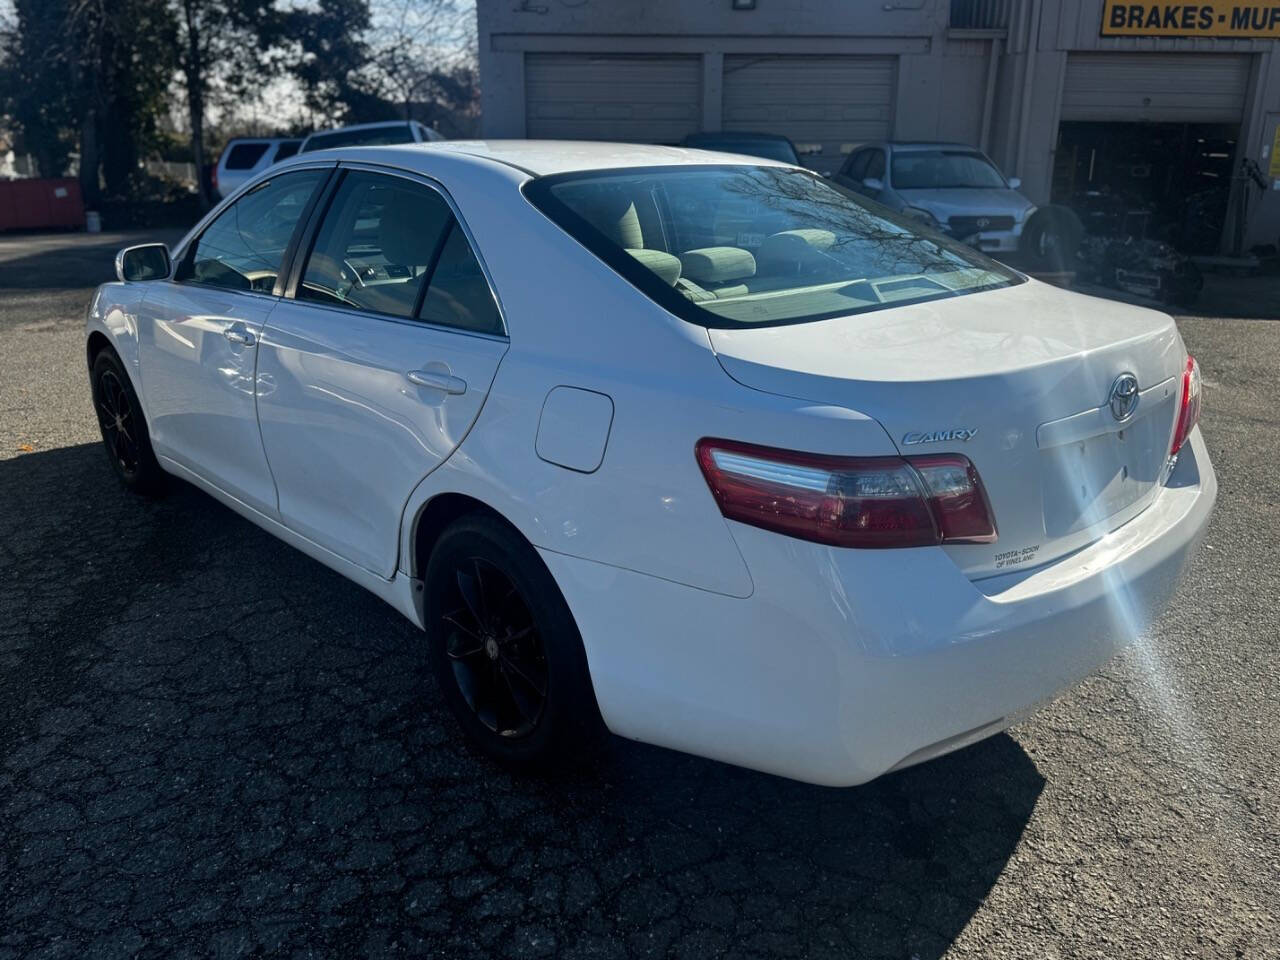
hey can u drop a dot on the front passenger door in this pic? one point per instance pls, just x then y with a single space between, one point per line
374 371
198 335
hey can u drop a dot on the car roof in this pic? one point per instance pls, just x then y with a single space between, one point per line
544 157
736 135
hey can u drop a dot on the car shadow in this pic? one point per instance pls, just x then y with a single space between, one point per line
209 742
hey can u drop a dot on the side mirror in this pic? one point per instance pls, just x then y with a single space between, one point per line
147 261
1015 183
873 183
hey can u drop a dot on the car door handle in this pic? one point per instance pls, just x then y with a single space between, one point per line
237 333
437 381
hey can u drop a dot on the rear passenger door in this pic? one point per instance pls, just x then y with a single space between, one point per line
376 364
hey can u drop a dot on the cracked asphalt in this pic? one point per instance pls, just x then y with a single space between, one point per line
213 746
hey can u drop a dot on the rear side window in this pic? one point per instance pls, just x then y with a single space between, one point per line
459 295
243 248
287 149
243 156
391 246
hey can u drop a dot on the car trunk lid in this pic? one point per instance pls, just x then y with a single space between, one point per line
1019 380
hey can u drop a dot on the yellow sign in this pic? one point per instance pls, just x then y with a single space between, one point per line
1274 171
1218 18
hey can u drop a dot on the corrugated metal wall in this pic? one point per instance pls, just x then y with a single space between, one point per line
1156 87
827 102
644 99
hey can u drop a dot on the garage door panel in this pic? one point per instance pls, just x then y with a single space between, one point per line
648 99
825 101
1169 87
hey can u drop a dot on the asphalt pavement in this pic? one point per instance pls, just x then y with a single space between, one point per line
211 745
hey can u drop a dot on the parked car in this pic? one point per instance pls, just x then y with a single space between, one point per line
370 134
246 157
827 498
771 146
953 187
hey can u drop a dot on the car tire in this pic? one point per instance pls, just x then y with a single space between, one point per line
1050 241
123 427
506 651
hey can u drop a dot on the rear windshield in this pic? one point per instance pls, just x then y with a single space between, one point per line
243 156
369 137
944 170
737 246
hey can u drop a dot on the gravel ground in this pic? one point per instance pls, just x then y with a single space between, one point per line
210 744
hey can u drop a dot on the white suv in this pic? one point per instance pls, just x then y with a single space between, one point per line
246 157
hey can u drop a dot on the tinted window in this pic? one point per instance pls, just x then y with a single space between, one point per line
458 295
944 169
742 246
856 168
368 137
875 165
287 149
244 247
243 156
376 245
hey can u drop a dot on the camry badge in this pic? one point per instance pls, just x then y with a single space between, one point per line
935 436
1123 399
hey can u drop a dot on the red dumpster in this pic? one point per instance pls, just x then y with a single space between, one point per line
40 204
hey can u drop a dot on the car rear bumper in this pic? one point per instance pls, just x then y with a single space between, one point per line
845 664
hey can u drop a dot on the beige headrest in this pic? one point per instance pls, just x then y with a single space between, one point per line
718 264
795 246
663 264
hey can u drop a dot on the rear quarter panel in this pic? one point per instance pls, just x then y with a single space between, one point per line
574 322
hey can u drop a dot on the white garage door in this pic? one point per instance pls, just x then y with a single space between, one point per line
1156 87
819 102
641 99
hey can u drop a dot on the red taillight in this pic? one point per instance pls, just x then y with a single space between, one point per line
1188 406
849 501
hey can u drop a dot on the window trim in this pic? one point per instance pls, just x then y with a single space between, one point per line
321 209
187 247
538 193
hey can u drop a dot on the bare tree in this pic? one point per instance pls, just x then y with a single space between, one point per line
416 43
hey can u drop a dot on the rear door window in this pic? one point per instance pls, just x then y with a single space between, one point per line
391 246
244 156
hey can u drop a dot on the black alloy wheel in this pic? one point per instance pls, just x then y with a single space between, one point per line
124 429
506 651
495 650
118 422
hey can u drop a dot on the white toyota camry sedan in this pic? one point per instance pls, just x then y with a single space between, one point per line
699 449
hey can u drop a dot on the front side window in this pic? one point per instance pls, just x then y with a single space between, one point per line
734 246
244 247
944 170
391 246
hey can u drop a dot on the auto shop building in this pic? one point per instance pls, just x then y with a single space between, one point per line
1150 107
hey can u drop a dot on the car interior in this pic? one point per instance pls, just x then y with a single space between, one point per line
746 258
